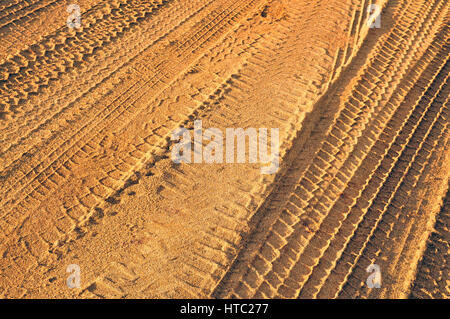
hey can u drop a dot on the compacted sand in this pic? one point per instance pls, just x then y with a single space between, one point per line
87 176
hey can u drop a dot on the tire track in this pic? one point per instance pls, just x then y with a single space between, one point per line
429 194
23 32
433 269
159 75
155 83
113 62
385 217
366 195
263 263
148 148
60 49
23 9
87 116
240 82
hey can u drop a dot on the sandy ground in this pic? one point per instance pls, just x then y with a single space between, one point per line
358 207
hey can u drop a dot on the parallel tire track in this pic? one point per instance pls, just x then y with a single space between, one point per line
28 184
22 9
358 185
294 245
433 272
